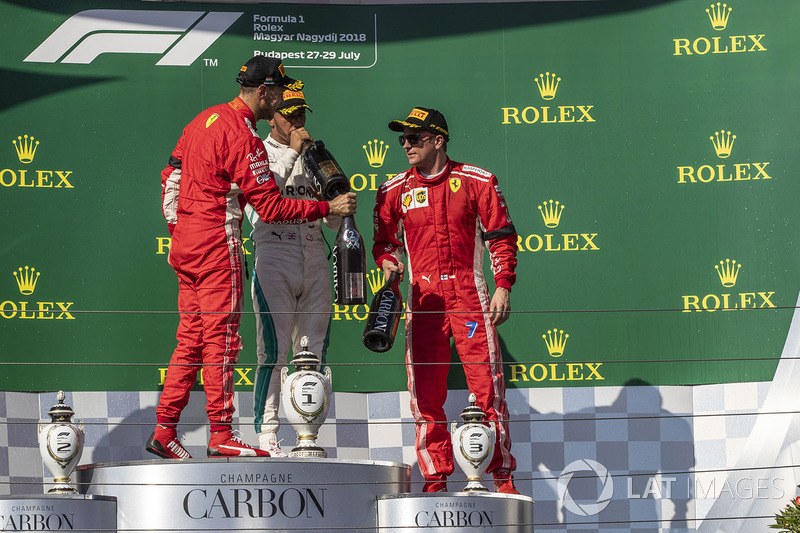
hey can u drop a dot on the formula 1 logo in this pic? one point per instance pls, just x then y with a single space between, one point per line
87 34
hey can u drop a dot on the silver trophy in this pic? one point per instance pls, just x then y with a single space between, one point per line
305 395
61 445
473 444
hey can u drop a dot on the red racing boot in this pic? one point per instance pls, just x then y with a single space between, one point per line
229 444
504 481
164 443
436 483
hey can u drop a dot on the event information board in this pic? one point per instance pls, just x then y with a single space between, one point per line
646 150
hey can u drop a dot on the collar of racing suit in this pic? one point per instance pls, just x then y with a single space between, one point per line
442 176
239 105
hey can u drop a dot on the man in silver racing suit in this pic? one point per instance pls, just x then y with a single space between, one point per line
291 284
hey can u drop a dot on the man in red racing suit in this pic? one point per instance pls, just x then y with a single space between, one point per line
442 214
219 165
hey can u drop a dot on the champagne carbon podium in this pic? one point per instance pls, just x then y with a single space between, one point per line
349 254
384 316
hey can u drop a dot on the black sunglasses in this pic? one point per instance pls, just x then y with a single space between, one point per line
413 138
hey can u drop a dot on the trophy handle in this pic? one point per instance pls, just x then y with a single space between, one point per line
328 375
453 427
493 428
41 425
284 373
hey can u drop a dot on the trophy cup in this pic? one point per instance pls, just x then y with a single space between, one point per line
61 445
305 395
473 444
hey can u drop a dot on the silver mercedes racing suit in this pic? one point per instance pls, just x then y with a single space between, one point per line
291 285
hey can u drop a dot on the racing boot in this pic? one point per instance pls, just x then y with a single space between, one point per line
229 443
164 443
435 483
270 443
504 481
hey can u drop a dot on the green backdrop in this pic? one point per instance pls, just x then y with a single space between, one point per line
619 273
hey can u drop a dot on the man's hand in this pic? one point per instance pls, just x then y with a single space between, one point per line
344 204
500 307
389 266
297 138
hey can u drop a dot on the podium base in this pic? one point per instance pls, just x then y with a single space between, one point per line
246 493
448 512
56 512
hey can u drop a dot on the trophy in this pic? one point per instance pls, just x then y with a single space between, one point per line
305 395
473 444
61 445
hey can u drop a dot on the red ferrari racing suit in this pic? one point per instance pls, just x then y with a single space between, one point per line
218 165
444 222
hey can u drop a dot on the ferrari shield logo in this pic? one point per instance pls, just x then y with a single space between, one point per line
455 184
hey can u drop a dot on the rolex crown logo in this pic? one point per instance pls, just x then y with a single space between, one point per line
26 281
26 148
718 14
375 279
723 143
551 214
555 340
548 85
728 271
376 153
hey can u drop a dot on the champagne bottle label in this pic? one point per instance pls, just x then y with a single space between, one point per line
386 304
352 240
355 285
329 168
384 317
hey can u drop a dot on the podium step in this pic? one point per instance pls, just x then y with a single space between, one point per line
78 513
447 512
256 494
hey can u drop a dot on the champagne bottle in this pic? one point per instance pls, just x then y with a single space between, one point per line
325 172
349 254
349 265
384 316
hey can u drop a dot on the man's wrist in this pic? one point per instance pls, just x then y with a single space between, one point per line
503 283
386 257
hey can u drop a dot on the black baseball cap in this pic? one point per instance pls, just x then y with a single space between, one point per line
423 118
292 101
262 70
